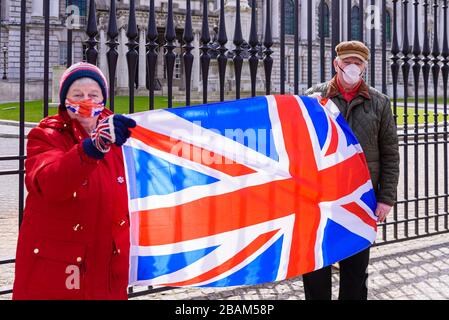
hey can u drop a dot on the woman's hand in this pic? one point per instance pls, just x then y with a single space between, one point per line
113 129
121 128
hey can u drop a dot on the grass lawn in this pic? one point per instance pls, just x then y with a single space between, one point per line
411 116
411 101
34 109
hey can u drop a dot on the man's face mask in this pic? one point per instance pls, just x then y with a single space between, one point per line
351 74
85 108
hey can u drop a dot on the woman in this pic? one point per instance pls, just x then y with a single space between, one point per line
74 239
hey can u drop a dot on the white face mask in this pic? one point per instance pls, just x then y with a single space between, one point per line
351 74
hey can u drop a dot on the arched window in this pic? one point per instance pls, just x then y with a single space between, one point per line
289 17
325 24
81 4
388 27
355 23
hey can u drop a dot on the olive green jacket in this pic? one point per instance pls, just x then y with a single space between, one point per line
370 117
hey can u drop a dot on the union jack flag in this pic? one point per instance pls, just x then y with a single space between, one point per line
245 192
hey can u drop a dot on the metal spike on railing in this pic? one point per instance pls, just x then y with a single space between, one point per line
268 43
222 59
416 72
335 39
435 75
188 47
238 59
204 48
373 49
322 43
445 74
426 72
282 49
169 46
22 80
361 20
435 48
69 37
395 76
92 31
253 42
309 43
46 53
132 55
395 58
152 45
405 75
296 48
348 18
384 46
112 54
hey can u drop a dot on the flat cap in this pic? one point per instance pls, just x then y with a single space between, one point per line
353 48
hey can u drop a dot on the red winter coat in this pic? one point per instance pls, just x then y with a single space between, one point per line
76 218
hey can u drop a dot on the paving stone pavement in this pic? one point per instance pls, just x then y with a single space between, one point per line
411 270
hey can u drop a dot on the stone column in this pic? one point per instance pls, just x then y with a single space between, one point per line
54 8
230 9
398 23
57 72
122 67
245 18
37 8
344 16
142 59
196 62
103 63
378 24
276 19
303 21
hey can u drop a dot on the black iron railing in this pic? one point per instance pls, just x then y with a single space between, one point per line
422 206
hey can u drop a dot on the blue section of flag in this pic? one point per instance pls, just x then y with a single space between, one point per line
350 137
369 198
340 243
319 118
149 267
155 176
246 121
261 270
131 170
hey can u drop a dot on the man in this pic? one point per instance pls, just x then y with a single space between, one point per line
368 113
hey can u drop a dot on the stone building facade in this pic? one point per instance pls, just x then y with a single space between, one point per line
10 42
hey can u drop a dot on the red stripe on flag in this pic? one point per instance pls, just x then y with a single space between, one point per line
355 209
216 214
190 152
229 264
302 167
334 140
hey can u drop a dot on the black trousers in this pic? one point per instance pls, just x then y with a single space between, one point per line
353 278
